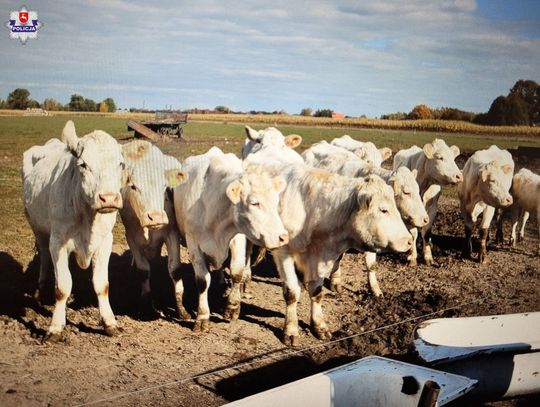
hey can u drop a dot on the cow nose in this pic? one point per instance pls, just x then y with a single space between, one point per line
110 200
283 239
409 242
459 177
426 220
155 219
509 200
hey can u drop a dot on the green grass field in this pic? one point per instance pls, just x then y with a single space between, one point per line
19 133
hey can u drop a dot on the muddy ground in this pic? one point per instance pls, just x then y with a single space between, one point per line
162 363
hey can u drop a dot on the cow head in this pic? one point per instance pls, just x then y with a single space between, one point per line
376 223
495 182
99 165
150 173
408 199
372 155
440 162
255 196
270 136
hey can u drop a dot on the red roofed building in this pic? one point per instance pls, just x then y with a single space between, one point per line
337 115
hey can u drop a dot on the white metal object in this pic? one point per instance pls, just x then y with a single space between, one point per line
371 381
447 339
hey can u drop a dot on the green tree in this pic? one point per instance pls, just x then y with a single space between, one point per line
323 113
51 104
420 112
529 92
222 109
18 99
89 105
307 111
76 103
3 104
110 104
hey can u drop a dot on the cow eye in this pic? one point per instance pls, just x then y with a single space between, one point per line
406 193
122 166
255 204
384 210
82 164
133 187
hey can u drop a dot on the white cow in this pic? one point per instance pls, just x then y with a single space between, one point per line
487 179
525 191
218 201
270 136
326 214
148 213
367 151
403 182
436 167
71 192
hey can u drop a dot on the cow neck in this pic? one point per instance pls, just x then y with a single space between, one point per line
423 178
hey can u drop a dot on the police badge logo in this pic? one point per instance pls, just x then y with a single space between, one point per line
23 24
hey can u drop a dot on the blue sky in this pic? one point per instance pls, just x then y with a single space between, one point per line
357 57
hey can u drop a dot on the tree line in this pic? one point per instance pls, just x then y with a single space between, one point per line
20 99
521 107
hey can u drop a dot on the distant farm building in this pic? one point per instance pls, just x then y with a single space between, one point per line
337 115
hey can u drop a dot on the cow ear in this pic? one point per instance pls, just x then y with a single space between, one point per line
364 200
414 173
233 191
136 149
507 168
386 153
252 134
428 150
293 140
455 150
69 137
279 184
175 177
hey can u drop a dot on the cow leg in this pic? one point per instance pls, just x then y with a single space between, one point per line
499 235
146 310
413 253
431 199
63 286
318 323
335 277
238 250
516 215
246 284
487 216
538 223
469 226
202 281
371 263
526 215
100 278
291 293
172 242
46 274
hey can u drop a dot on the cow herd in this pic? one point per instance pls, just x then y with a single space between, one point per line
306 210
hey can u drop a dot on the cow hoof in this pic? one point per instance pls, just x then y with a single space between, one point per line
231 313
336 288
247 296
412 263
54 337
112 330
183 314
322 333
201 325
378 293
290 340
